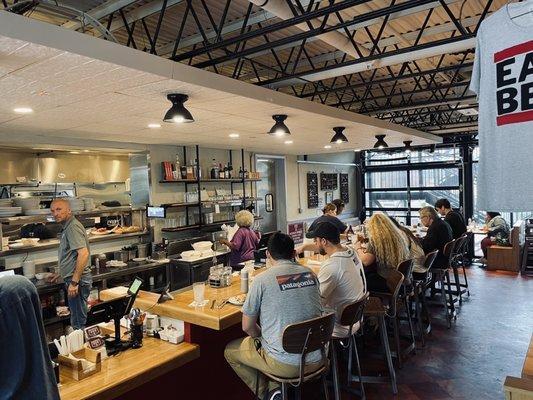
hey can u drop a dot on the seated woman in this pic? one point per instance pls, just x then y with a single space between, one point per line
386 248
416 252
245 240
497 229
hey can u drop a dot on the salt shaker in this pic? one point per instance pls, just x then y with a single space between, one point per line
244 281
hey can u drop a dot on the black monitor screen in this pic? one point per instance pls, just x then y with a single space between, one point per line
108 310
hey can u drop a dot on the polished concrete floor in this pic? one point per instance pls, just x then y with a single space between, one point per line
471 360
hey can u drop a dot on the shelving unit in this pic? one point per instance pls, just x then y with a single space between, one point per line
237 202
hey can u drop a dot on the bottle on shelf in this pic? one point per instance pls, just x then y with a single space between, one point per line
220 171
226 172
241 173
214 170
230 169
177 174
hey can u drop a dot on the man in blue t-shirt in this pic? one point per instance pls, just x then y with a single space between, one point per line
285 294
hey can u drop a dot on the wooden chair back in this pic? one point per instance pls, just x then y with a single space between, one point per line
352 313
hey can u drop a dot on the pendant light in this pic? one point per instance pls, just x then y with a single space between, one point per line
339 137
178 113
380 144
279 128
408 147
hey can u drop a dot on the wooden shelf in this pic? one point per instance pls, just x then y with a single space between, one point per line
232 180
180 205
180 181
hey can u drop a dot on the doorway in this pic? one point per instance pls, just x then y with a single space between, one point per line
271 191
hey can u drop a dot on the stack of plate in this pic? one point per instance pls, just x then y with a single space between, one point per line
76 204
37 211
9 211
6 202
27 203
88 203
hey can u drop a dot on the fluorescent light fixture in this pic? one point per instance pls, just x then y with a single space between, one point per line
23 110
233 135
154 126
279 128
178 113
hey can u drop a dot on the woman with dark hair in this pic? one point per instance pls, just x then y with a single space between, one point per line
25 362
497 230
339 204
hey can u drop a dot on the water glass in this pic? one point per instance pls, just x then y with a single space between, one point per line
199 292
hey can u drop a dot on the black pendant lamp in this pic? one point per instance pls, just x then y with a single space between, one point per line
279 128
380 143
178 113
339 137
408 147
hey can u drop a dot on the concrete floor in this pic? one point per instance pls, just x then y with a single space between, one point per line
486 343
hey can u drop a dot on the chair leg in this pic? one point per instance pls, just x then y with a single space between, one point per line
418 315
450 296
350 361
325 387
425 309
284 391
410 322
356 353
335 370
466 281
386 348
396 328
457 284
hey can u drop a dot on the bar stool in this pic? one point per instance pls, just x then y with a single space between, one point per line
442 277
350 316
422 282
303 338
406 291
457 260
375 308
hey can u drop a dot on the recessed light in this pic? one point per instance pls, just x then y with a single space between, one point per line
74 152
154 126
86 151
23 110
233 135
356 150
288 142
327 146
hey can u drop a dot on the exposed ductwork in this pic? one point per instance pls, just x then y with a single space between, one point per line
437 50
281 9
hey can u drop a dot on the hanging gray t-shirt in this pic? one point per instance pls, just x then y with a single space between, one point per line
283 295
503 80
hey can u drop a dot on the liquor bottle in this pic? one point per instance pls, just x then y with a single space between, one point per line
226 172
214 170
241 173
230 169
220 171
177 175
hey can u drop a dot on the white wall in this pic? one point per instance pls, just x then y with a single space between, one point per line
295 192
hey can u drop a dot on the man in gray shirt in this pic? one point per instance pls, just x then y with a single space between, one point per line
73 261
285 294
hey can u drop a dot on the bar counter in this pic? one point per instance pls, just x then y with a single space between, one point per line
130 369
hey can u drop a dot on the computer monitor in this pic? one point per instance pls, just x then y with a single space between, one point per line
156 212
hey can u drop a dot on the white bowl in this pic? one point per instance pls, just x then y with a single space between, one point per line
190 254
202 246
29 241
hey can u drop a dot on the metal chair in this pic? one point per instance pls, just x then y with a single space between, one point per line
350 316
457 259
422 281
442 277
376 308
303 338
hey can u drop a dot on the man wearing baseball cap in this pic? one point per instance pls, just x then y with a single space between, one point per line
341 276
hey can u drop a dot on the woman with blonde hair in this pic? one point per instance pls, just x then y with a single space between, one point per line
387 247
244 241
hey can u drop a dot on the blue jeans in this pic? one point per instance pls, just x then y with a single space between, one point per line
78 304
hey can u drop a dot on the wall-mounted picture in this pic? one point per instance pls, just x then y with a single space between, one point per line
329 197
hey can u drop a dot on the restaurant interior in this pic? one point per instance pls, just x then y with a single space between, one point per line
161 160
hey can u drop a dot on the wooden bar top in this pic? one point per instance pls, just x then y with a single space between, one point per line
180 308
129 369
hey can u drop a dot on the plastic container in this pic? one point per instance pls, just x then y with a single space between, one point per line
244 281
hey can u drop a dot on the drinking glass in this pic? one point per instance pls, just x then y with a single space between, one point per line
199 292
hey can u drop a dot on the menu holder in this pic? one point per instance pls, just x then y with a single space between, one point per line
74 368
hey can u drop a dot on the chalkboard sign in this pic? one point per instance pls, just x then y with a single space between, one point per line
312 190
328 181
345 191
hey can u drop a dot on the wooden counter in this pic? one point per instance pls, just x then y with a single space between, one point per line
179 308
130 369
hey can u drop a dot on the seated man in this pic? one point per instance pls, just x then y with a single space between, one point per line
341 276
454 218
284 294
439 233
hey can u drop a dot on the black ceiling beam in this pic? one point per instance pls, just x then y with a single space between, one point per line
423 103
321 12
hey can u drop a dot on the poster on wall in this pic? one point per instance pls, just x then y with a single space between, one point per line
296 231
345 190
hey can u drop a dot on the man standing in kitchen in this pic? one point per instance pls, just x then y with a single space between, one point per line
73 262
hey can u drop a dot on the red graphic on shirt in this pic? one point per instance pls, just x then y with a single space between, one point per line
514 82
296 281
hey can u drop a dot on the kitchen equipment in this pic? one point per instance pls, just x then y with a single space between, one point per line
152 324
159 255
37 230
209 218
27 203
124 256
202 246
142 250
28 269
216 237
